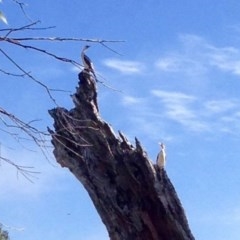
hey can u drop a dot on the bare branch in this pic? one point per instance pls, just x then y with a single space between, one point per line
16 42
25 171
29 75
17 128
33 134
22 7
26 27
61 39
112 50
29 130
12 74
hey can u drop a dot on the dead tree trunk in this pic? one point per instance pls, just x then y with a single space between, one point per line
135 199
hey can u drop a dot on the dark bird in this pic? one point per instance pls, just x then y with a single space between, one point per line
87 63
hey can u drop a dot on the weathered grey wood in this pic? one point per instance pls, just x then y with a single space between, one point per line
135 199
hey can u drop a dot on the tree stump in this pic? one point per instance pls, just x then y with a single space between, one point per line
134 198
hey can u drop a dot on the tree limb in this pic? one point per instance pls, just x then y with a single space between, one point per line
135 199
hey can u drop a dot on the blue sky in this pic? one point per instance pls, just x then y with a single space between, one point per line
179 77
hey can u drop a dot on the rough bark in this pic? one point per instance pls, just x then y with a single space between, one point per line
134 198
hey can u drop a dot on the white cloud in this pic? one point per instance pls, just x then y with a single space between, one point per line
171 96
227 60
157 112
220 106
129 100
176 63
197 115
126 67
196 62
180 108
179 112
197 55
186 116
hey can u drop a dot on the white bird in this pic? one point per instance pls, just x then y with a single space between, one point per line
87 63
161 158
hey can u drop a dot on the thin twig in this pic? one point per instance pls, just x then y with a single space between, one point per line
22 6
12 74
35 135
23 170
29 75
112 50
26 27
111 88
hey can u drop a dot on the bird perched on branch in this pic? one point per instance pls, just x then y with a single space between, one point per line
161 158
87 63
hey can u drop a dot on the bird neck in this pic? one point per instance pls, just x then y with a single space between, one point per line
83 53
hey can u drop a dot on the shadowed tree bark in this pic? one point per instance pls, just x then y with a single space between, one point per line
134 198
